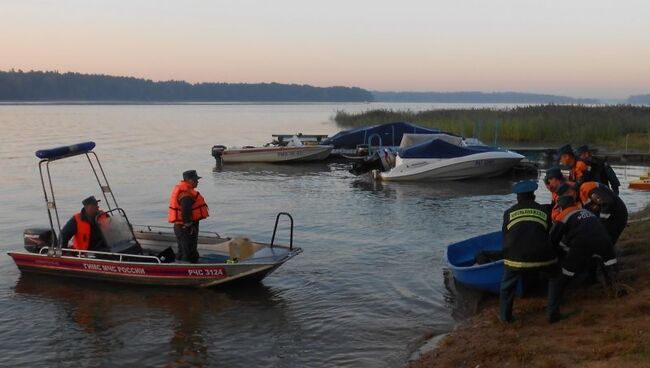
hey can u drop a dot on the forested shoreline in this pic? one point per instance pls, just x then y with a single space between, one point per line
33 86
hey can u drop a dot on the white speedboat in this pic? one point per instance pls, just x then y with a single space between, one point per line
289 151
440 156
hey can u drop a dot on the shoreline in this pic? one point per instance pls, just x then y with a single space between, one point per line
601 332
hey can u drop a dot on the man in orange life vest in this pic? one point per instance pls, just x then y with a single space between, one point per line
82 228
186 208
580 171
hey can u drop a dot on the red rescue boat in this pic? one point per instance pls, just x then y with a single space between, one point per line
142 254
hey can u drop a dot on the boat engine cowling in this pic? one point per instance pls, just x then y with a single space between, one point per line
217 153
370 163
37 238
382 160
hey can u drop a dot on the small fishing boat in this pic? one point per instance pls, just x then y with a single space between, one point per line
141 254
461 260
440 156
643 183
292 150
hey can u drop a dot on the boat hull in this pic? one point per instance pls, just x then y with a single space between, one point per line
140 273
276 154
481 165
640 184
487 277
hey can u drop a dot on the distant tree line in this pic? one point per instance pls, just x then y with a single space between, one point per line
639 99
55 86
609 125
477 97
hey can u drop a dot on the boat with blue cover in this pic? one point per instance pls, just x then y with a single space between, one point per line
439 156
461 259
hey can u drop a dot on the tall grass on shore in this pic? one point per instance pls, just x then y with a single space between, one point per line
611 126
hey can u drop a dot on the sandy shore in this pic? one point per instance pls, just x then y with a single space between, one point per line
601 331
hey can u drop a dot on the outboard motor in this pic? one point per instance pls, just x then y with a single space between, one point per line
382 160
37 238
368 164
217 153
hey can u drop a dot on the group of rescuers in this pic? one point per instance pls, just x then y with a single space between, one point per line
186 208
572 236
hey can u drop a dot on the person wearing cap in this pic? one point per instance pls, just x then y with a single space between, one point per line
186 208
526 248
579 170
564 189
585 237
602 171
604 203
83 229
553 179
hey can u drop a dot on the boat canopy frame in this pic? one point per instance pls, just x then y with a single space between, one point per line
49 156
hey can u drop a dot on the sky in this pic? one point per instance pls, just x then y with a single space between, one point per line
570 47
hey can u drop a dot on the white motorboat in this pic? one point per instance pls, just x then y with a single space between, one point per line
441 156
288 151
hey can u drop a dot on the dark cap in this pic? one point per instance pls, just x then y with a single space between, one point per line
565 150
553 172
90 200
524 186
565 201
191 174
582 149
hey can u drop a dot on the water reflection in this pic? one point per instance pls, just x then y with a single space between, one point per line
266 169
99 309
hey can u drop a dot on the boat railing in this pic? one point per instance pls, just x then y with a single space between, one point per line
120 256
275 229
371 138
157 228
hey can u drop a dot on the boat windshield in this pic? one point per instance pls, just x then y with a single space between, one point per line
413 139
117 232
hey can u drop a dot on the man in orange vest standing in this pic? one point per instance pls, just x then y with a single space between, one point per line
186 208
83 229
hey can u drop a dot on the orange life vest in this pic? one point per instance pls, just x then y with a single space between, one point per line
555 211
567 212
585 191
81 238
180 191
578 170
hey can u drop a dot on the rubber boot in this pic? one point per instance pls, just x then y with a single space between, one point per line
556 288
611 278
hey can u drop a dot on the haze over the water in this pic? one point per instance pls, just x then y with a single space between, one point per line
578 48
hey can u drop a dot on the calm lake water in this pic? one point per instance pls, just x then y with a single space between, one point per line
367 290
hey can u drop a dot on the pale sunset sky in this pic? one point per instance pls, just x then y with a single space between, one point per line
578 48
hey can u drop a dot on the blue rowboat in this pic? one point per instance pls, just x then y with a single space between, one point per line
461 259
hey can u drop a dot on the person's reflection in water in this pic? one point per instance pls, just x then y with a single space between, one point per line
188 345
